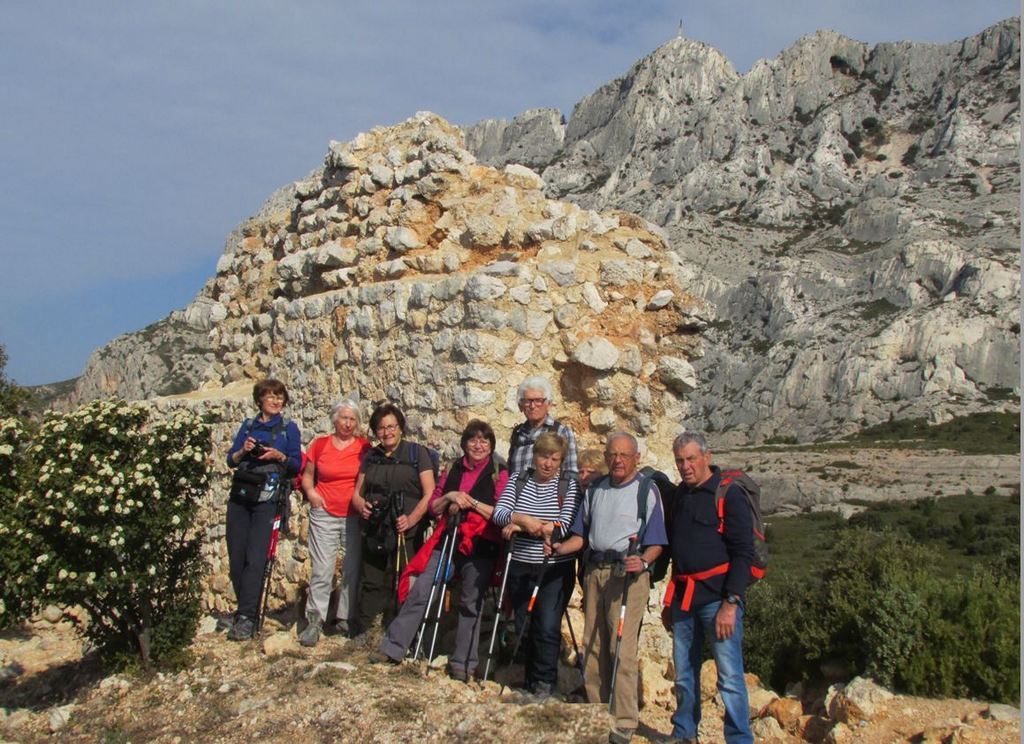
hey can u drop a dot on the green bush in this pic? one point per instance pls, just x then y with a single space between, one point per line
98 512
969 643
881 607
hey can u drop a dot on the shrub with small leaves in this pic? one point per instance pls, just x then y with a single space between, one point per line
97 513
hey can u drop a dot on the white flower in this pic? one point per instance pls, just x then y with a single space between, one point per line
175 519
152 570
62 574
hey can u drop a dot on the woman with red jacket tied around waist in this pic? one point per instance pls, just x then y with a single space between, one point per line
469 487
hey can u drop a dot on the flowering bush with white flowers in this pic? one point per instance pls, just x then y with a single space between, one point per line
97 511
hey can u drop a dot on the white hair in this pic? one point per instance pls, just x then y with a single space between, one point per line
345 405
536 382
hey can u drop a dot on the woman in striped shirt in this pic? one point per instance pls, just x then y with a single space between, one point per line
534 506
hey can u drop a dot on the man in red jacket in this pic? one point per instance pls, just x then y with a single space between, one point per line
711 558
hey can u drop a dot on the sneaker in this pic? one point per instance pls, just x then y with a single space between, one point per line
379 657
620 736
310 635
243 629
457 672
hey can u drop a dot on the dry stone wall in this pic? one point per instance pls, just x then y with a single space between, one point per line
404 270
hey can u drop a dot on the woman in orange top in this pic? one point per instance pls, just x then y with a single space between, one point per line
328 481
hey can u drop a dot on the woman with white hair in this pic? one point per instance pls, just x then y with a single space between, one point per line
328 482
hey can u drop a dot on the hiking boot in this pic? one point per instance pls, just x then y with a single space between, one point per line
541 691
310 635
225 624
458 673
243 629
337 628
620 736
379 657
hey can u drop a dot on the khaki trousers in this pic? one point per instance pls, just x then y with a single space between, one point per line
602 600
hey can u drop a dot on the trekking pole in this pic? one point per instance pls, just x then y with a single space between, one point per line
529 610
430 598
634 546
268 567
576 646
497 609
446 578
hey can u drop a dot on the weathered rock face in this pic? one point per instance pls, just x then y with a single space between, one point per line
851 212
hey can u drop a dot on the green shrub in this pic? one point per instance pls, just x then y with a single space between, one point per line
98 512
969 642
884 606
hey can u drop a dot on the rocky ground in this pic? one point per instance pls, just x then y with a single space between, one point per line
274 690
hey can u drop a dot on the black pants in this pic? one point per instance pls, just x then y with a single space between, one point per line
540 647
248 536
377 590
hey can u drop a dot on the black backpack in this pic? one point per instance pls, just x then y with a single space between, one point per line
752 491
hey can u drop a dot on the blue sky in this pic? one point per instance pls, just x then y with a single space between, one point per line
135 136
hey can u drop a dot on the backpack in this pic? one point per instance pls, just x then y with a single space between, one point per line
752 491
523 477
512 446
373 456
666 488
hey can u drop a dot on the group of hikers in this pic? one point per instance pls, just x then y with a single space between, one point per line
524 523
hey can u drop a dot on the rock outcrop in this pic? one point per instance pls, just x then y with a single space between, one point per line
851 212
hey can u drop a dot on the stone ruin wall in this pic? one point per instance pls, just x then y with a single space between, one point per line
405 271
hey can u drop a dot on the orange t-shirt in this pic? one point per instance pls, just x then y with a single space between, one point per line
336 471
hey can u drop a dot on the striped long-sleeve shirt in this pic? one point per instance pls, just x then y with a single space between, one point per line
538 500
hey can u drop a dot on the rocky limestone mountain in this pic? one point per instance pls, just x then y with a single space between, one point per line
851 212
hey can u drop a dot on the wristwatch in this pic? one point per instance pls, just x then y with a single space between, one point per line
733 599
646 565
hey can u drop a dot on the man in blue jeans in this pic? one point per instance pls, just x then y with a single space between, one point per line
712 552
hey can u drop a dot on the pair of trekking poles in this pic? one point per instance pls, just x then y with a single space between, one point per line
442 577
580 663
529 614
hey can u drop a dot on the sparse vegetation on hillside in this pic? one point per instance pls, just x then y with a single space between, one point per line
977 433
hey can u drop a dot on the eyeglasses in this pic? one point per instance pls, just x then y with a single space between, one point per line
534 402
272 396
388 427
612 456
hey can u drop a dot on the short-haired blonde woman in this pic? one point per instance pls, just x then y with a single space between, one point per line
535 506
328 482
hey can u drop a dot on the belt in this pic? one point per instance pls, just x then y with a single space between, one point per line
605 557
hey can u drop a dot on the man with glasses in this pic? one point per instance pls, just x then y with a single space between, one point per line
621 525
535 398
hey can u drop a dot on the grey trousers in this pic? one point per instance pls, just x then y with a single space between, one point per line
328 534
474 576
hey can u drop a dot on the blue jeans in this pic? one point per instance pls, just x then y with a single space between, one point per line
541 645
689 629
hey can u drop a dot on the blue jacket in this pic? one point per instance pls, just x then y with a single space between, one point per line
287 441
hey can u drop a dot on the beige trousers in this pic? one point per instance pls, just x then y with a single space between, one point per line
602 601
